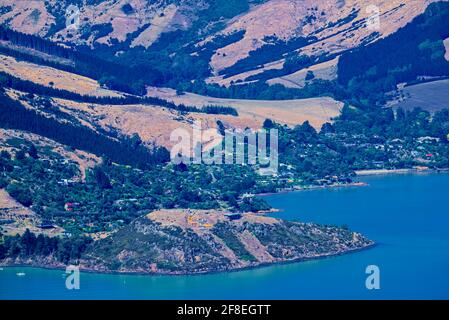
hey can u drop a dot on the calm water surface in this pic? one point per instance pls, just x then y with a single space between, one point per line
407 215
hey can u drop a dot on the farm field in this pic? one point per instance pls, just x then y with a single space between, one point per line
51 77
290 112
431 96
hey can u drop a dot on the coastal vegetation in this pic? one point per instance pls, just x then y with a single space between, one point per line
125 185
362 139
9 81
105 209
14 115
112 195
30 246
146 246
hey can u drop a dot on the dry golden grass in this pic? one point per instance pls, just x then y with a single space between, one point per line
283 19
255 247
151 123
22 217
29 17
273 17
33 17
394 14
159 23
325 71
61 79
202 220
156 16
227 81
291 112
155 124
286 19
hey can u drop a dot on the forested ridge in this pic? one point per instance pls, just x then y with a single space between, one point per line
15 116
134 70
118 77
415 50
133 180
364 75
10 81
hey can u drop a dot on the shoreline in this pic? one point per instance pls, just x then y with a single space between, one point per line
381 172
377 172
153 274
358 173
314 187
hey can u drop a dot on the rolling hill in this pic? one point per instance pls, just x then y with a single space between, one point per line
432 96
91 90
151 122
237 40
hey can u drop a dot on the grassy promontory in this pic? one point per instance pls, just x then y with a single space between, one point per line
201 241
192 242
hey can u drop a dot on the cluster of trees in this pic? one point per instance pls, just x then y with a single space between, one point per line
50 61
36 43
312 159
113 195
212 109
21 193
9 81
168 62
292 64
137 67
365 74
273 50
29 245
389 124
122 78
364 139
170 57
262 91
15 116
206 51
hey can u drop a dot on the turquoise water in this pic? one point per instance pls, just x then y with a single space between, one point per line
407 215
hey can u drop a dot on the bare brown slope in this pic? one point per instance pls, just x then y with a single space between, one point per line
200 241
155 124
51 77
325 19
291 112
148 19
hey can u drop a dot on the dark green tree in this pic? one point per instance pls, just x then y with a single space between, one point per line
32 151
102 179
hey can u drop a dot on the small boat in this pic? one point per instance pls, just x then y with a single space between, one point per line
1 269
20 274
